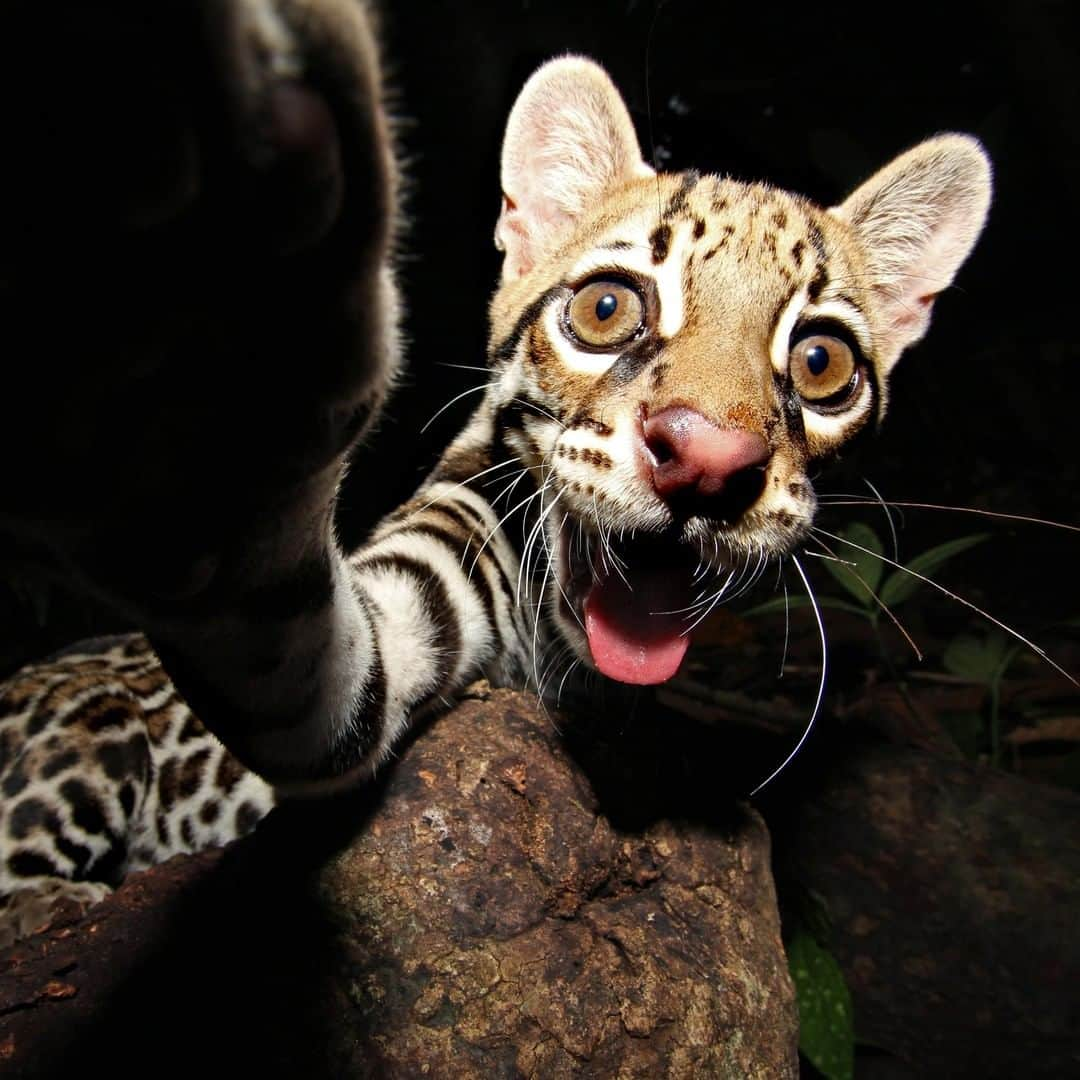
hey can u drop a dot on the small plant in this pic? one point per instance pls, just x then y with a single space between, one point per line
874 587
861 570
826 1017
983 660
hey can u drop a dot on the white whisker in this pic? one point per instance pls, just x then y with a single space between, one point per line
543 412
532 535
873 595
562 682
821 685
888 518
787 625
856 500
960 600
498 525
468 480
464 393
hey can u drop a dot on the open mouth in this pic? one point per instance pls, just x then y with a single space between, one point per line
636 602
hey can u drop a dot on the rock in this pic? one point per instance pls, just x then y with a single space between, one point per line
481 911
952 890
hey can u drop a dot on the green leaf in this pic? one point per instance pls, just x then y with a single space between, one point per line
900 585
826 1022
981 660
866 566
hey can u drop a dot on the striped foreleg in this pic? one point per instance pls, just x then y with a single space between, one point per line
347 649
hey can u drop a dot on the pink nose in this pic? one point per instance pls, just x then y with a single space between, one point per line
689 456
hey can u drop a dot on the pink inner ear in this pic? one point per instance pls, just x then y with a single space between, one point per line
525 228
569 139
908 314
512 238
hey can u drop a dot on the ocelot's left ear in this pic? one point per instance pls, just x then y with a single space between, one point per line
916 221
568 141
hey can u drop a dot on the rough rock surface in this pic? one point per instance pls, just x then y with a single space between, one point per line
952 890
496 906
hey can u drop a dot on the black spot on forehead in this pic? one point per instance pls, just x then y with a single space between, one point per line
660 242
818 281
677 202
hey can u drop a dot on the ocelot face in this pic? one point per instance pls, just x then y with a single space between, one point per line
686 369
676 353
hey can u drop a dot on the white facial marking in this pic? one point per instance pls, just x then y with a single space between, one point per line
780 348
633 262
668 277
835 426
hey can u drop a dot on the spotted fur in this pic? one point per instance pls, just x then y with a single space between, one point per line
104 770
312 670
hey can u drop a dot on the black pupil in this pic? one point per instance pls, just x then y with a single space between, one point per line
817 359
606 306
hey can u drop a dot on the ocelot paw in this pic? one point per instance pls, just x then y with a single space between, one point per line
196 209
139 113
35 908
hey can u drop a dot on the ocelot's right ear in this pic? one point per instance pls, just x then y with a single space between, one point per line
917 221
569 139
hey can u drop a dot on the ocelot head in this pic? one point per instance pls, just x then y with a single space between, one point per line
675 354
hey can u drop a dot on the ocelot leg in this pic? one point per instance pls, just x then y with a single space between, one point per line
74 774
196 223
104 770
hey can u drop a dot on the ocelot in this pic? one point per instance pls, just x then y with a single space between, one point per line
671 355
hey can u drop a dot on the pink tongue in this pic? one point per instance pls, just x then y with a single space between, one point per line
635 636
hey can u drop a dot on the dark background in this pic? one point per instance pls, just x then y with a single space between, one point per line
810 98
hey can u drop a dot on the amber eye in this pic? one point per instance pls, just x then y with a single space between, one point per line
823 369
605 314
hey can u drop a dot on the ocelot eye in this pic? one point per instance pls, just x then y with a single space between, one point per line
824 369
605 314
